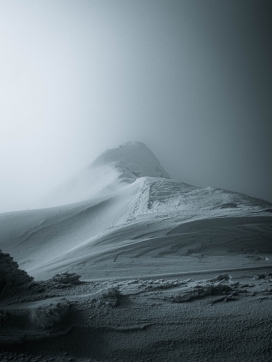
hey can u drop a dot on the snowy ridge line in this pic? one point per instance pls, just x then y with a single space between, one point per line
123 204
111 171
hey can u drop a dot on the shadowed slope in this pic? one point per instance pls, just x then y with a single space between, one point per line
10 274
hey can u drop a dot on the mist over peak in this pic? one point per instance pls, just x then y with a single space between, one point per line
133 159
112 170
104 256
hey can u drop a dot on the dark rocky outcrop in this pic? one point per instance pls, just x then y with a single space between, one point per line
66 278
10 274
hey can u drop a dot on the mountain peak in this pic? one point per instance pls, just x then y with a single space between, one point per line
112 170
133 159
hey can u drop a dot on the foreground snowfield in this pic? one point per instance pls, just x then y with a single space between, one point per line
148 250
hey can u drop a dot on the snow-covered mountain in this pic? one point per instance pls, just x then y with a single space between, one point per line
112 170
124 215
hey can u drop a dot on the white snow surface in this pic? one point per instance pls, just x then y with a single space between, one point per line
137 224
128 229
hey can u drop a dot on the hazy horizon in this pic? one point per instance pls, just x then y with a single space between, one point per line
190 79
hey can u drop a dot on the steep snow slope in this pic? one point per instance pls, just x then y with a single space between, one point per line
138 227
129 223
36 236
152 225
111 171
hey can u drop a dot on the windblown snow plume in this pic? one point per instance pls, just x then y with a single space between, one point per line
111 171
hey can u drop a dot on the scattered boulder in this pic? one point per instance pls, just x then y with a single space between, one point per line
66 278
266 275
111 296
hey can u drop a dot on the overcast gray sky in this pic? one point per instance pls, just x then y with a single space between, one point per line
192 79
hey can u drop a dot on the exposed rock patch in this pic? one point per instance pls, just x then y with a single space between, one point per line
10 274
66 278
48 315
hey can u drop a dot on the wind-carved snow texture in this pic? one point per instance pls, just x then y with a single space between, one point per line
169 271
48 316
139 319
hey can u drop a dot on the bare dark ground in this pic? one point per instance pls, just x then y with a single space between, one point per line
206 318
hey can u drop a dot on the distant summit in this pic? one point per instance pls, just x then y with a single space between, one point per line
111 171
133 159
